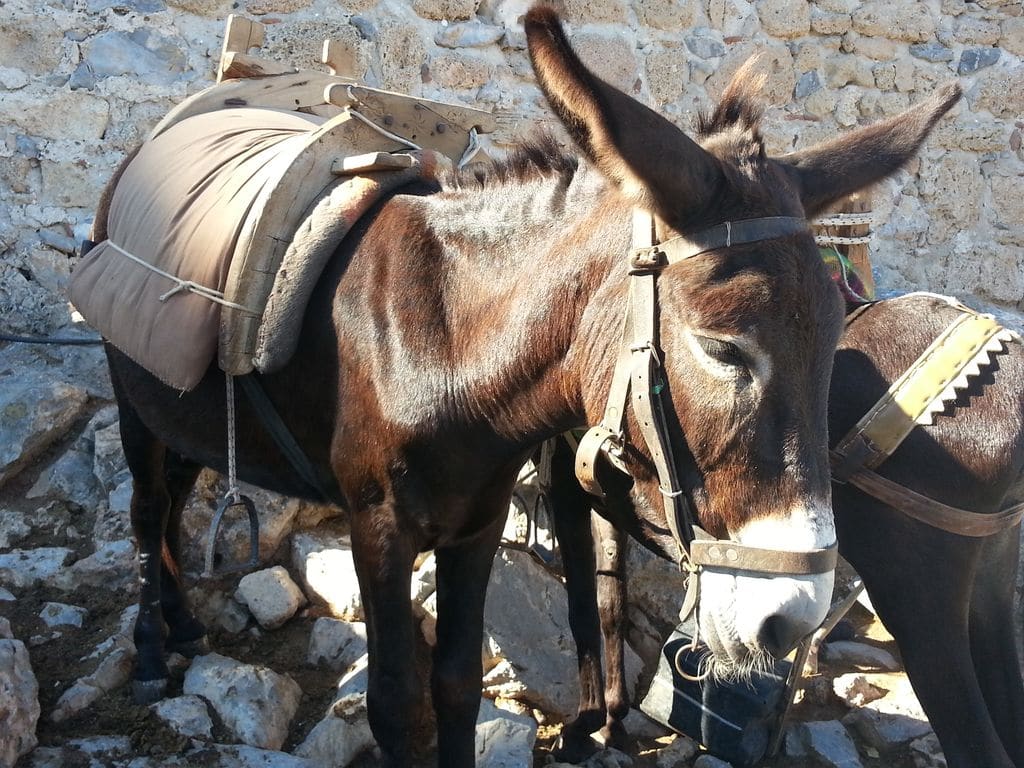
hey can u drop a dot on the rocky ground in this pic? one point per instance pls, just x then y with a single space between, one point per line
286 683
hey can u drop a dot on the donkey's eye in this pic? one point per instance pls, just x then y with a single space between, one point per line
725 352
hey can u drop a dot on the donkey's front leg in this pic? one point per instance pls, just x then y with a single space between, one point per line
462 575
384 557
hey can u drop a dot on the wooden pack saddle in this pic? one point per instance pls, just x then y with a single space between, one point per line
219 195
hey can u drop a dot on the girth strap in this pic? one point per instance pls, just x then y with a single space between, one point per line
282 436
931 512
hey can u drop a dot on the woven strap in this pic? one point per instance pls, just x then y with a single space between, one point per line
914 396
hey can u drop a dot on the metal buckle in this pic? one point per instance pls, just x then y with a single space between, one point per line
647 259
229 501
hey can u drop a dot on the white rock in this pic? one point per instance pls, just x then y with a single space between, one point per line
710 761
504 739
187 715
111 566
256 703
13 528
328 572
856 689
341 736
215 608
6 632
927 752
825 741
112 672
5 596
886 731
19 702
63 615
22 568
680 751
853 653
271 596
526 623
640 726
78 697
336 644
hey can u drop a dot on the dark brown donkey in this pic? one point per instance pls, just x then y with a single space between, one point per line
463 324
948 600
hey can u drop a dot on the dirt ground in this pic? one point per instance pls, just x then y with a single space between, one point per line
59 661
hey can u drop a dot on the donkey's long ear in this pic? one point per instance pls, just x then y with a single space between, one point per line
830 171
649 159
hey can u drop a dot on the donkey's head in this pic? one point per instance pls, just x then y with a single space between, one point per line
747 321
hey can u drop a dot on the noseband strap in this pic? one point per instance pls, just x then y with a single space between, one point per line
638 371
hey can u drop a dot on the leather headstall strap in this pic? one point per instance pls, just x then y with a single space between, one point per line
637 368
962 350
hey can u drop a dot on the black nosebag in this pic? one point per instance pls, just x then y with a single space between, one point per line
732 720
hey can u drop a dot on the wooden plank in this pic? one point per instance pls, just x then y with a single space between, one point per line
240 36
299 90
428 124
371 161
236 65
271 224
388 101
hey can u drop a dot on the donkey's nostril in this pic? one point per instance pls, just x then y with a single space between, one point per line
779 635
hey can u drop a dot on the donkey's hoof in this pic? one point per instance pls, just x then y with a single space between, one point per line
190 648
574 748
149 691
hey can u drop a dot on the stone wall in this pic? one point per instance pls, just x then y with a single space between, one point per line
81 81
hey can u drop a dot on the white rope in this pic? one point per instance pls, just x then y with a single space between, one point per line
233 492
844 220
183 285
837 240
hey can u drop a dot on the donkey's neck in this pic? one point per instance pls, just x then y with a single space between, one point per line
513 267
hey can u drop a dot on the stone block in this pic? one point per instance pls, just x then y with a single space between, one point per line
262 7
785 18
36 47
452 10
19 692
973 59
1008 199
933 52
460 71
776 62
468 34
324 562
402 53
611 57
667 73
912 22
1011 37
254 702
336 644
44 114
971 30
668 15
828 23
999 91
974 135
186 715
825 742
271 596
877 48
843 69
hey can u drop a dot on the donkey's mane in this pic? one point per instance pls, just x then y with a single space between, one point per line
538 157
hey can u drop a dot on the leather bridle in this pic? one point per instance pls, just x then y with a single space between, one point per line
637 379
